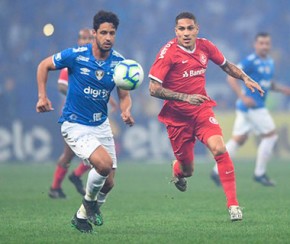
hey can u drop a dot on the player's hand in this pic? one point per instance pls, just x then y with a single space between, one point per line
44 105
127 118
196 99
248 101
252 85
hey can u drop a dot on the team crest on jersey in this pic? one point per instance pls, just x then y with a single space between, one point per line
99 74
213 120
203 58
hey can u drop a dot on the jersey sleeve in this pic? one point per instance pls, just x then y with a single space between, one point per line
215 54
160 67
64 58
63 77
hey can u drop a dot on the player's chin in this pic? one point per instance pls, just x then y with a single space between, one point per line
107 47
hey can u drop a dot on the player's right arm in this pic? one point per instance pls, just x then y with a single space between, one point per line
156 90
44 104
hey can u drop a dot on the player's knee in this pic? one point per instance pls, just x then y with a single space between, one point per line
218 149
103 166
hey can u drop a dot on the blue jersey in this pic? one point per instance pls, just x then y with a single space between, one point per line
90 84
261 71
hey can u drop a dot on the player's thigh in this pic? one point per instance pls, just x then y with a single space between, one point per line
206 126
101 159
262 121
242 124
182 141
109 144
81 139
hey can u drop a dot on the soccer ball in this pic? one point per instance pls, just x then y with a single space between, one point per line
128 74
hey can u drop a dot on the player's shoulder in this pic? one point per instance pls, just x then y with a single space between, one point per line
168 49
82 49
203 41
116 55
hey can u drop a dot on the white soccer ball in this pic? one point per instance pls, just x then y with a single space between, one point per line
128 74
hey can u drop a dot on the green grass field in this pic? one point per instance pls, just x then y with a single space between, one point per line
145 208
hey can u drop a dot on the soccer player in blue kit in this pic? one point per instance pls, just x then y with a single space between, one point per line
251 113
85 125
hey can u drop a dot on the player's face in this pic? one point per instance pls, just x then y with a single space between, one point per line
105 36
85 36
186 31
263 46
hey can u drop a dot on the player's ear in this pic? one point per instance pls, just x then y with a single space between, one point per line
197 28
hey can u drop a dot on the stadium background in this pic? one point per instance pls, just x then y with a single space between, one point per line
145 26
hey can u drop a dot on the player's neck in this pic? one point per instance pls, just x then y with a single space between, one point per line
99 54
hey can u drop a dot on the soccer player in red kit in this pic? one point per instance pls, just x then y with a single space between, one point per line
178 77
85 36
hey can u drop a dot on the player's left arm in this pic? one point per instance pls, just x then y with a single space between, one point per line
280 88
234 71
125 106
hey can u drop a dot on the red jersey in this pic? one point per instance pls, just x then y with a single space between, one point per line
63 77
181 70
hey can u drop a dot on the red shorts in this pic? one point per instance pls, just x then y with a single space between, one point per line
201 127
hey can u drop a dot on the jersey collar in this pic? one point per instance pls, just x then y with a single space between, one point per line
186 50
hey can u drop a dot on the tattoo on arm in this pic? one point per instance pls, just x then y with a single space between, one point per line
166 94
233 70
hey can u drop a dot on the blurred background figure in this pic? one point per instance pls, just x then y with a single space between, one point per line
251 113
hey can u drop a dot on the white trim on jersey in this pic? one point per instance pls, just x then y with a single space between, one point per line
62 81
155 78
186 50
223 63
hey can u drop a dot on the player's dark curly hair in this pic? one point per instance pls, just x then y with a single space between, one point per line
103 16
185 15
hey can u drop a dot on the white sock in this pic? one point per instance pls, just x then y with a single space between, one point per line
81 213
264 154
101 198
232 148
95 183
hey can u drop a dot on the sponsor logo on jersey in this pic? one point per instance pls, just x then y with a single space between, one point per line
58 56
97 117
99 74
191 73
82 58
203 58
184 61
102 93
213 120
79 49
85 71
164 50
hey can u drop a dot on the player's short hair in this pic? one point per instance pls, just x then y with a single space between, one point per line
185 15
262 34
103 17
